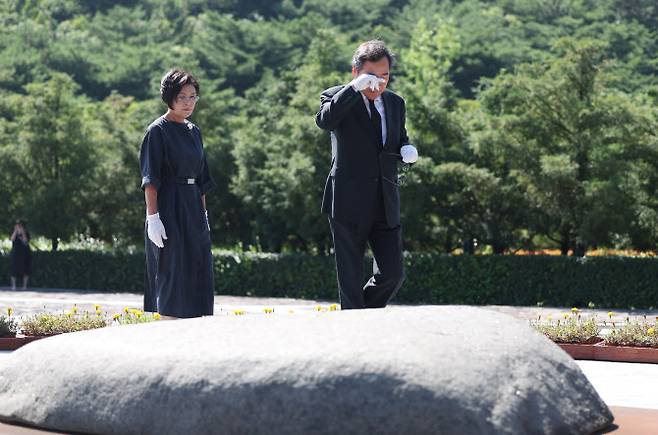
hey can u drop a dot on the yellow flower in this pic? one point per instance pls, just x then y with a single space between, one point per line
610 314
97 307
126 309
565 315
333 307
98 313
651 331
10 311
69 315
574 310
156 316
268 310
74 310
116 316
318 308
238 312
138 314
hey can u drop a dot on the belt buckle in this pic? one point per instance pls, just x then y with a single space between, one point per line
190 181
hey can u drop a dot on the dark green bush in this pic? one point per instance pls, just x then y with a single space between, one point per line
431 278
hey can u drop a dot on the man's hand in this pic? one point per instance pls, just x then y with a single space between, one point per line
366 81
409 153
156 230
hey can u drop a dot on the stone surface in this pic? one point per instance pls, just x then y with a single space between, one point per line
403 370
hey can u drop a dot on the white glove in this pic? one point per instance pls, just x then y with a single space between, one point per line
207 221
156 229
366 81
409 153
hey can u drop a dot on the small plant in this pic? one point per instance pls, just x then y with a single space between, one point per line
8 325
132 316
58 323
633 333
572 328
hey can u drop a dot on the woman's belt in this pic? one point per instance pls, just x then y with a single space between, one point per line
182 180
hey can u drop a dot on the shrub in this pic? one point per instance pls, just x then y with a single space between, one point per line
432 278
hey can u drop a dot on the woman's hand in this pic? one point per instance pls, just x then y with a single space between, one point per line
156 230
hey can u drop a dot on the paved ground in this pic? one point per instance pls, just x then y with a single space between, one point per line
36 300
56 300
627 385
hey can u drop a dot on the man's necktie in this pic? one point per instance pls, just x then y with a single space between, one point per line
376 121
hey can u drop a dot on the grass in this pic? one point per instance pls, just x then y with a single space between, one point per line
58 323
574 328
570 328
8 325
634 332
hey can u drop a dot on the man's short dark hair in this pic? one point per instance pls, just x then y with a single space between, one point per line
372 51
172 83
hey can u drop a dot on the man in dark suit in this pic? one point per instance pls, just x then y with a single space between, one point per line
361 196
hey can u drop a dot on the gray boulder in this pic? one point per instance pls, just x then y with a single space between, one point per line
400 370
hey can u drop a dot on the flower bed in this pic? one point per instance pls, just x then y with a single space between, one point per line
16 333
632 340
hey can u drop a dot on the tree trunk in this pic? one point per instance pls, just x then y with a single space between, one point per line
565 241
564 245
447 242
468 245
580 250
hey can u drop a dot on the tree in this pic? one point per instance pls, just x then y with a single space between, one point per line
115 202
56 158
431 101
283 158
573 142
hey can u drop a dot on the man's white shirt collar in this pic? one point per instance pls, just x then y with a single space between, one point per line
379 102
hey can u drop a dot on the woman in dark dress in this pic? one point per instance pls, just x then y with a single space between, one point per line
175 179
21 257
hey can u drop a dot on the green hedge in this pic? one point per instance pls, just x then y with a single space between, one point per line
431 278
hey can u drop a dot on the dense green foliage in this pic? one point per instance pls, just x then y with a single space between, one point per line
536 120
431 278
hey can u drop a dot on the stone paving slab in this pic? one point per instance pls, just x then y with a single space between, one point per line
630 421
632 385
11 429
633 421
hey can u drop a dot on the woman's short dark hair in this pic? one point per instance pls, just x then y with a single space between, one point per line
172 83
372 51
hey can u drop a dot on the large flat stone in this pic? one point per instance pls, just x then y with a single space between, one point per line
399 370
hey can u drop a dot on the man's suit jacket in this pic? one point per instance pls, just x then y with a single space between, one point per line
359 164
